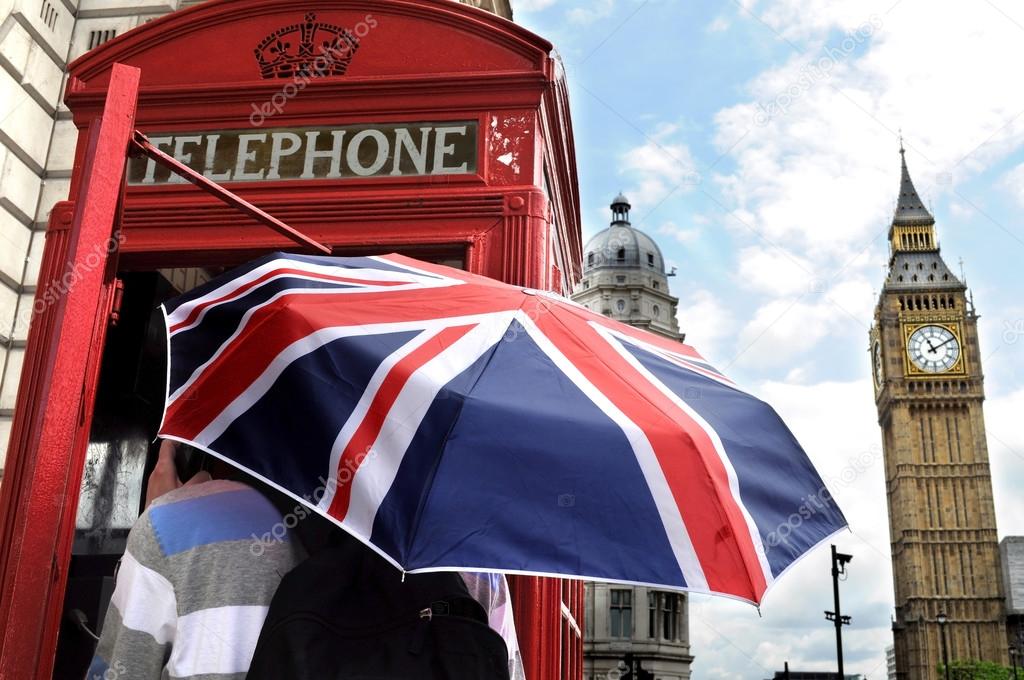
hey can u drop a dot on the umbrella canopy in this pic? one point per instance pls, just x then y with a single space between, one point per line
451 421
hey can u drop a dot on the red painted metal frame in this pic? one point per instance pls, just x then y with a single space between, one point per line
51 422
429 60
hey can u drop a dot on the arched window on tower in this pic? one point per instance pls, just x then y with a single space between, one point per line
621 255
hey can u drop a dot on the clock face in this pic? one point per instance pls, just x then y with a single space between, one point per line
933 349
876 358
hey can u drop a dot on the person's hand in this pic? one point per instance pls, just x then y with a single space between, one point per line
164 477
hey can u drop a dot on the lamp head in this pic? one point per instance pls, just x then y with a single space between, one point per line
941 618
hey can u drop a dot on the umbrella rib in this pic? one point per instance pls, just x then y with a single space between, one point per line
719 507
428 487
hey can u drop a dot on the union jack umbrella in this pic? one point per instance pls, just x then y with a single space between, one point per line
450 421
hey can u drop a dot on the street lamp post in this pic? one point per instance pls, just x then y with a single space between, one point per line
839 562
941 618
1013 658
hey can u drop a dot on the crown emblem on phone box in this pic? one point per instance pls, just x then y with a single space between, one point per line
306 49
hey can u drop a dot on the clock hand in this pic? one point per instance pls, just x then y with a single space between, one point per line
932 348
944 343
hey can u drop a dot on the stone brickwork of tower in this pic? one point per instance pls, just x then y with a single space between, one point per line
929 389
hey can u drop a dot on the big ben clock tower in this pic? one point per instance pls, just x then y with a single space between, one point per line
929 390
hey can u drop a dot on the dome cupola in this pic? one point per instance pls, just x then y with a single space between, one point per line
622 245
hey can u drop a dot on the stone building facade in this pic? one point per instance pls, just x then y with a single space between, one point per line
1011 552
929 389
38 39
624 278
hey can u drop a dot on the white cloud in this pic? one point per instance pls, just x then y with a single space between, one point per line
594 10
818 166
1006 454
818 177
678 233
532 5
718 25
835 423
706 322
659 168
1013 182
784 330
962 211
775 271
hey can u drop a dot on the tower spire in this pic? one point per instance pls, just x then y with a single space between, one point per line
910 210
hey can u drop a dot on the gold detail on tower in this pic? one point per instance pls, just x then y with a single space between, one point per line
911 238
911 368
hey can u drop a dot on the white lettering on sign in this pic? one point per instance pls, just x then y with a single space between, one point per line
344 152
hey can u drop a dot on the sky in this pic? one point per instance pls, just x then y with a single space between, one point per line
758 143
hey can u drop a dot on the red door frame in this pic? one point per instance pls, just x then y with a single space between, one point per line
521 227
38 500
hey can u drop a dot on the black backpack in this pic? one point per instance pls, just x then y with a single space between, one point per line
346 614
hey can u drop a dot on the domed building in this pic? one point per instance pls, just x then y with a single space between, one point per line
624 276
632 627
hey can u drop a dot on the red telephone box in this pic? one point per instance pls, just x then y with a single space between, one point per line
425 127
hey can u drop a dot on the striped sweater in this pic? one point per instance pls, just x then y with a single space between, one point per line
194 586
195 583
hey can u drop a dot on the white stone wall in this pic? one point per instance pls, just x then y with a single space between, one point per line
1012 553
38 38
640 291
35 39
667 659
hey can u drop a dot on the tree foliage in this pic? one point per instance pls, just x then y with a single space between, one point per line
979 670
